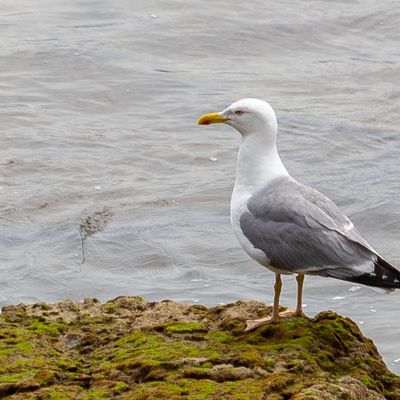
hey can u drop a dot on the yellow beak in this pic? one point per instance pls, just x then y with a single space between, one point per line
214 118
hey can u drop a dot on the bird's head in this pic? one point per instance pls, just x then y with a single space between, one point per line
248 116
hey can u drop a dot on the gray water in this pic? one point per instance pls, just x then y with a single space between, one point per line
98 110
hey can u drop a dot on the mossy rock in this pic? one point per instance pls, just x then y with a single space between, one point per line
129 348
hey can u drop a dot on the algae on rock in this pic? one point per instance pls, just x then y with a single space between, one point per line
129 348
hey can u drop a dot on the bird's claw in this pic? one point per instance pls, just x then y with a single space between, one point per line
252 324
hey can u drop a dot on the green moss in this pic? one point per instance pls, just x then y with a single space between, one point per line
269 364
44 306
154 346
365 381
17 377
326 360
48 328
221 337
310 392
110 307
59 396
185 327
96 394
120 387
19 346
202 390
208 358
244 389
10 332
60 392
66 365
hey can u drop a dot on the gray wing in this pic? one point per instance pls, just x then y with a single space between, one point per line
301 230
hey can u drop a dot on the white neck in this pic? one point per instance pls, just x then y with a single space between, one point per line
258 164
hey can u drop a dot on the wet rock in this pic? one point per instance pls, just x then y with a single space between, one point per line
132 348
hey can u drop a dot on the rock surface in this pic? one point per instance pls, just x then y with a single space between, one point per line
129 348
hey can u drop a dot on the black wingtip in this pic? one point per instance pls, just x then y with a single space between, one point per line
384 276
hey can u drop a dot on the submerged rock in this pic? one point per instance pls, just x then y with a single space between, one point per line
129 348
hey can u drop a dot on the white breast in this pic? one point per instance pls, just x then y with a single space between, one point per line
258 165
238 207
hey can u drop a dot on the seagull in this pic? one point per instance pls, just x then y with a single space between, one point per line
288 227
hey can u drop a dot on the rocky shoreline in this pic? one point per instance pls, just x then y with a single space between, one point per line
129 348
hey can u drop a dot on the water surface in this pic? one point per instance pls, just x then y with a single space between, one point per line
98 110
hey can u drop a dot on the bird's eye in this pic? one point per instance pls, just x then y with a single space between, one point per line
238 112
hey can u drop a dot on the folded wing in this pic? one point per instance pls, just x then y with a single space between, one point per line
302 231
